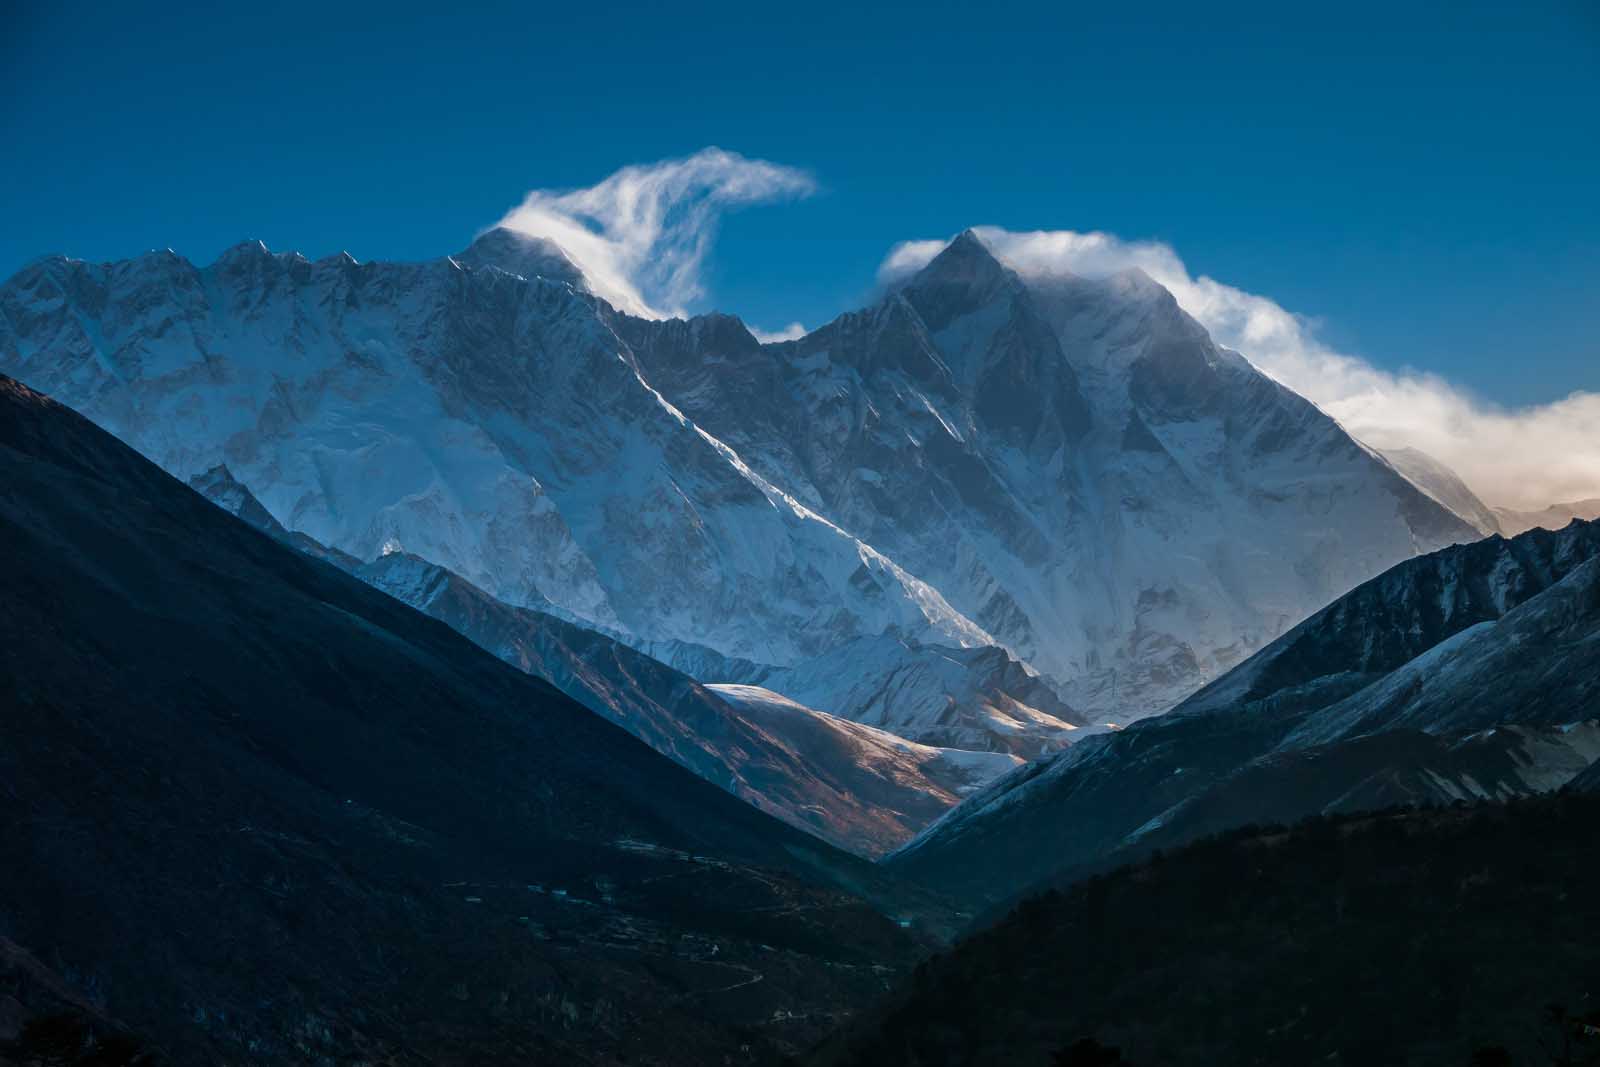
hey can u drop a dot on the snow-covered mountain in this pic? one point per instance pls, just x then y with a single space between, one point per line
1446 486
1554 517
1072 462
1471 672
980 698
491 422
965 698
1062 476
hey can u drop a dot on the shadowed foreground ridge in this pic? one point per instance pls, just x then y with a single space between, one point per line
827 776
258 811
1410 937
1468 673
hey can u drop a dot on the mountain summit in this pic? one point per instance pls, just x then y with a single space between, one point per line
523 255
958 280
1073 463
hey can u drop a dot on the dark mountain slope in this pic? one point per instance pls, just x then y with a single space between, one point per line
810 770
1411 608
45 1022
262 812
1589 780
1377 699
1408 939
813 771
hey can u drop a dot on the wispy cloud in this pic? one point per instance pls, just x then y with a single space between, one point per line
1524 457
791 332
641 235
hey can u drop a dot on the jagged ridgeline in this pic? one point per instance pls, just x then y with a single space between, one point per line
1066 470
1469 673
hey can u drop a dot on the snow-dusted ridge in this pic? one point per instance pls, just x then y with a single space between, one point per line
1470 673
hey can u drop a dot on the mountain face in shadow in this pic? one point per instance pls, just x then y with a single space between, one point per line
259 811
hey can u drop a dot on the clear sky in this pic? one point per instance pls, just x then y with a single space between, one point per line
1420 178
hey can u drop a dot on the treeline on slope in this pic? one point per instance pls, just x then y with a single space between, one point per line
1443 936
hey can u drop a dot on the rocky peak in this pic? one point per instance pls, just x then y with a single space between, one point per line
957 281
220 487
714 334
244 252
522 254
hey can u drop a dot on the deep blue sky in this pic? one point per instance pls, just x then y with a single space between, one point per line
1422 178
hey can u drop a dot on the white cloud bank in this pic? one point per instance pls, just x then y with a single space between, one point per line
1525 457
641 235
